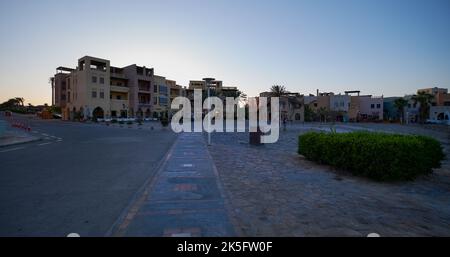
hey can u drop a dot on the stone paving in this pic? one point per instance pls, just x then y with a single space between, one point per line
274 192
184 199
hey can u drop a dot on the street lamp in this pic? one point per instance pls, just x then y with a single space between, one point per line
208 84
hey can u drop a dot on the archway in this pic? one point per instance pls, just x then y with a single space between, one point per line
297 116
98 113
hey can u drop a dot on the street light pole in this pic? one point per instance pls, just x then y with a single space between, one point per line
207 82
209 104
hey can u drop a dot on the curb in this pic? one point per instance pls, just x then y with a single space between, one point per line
23 142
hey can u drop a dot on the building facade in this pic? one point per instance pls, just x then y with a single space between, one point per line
95 89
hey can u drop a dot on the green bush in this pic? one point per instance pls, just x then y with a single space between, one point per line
379 156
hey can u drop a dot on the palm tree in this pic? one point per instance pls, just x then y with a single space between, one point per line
400 104
278 90
20 100
322 112
424 99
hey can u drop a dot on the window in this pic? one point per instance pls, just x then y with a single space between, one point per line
119 84
163 89
118 97
342 104
372 106
102 94
162 100
94 79
102 80
94 93
378 106
155 100
155 89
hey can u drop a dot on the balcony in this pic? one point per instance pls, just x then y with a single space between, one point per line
117 75
120 89
144 104
118 104
144 89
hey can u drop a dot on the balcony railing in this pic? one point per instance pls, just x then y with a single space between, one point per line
141 88
119 88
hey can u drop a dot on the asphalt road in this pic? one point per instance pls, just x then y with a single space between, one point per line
78 179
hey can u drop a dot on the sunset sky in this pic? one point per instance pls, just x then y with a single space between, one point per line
390 47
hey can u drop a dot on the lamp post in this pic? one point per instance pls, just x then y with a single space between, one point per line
208 84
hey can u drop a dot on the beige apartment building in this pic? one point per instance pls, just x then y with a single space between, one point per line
95 89
441 95
292 106
350 106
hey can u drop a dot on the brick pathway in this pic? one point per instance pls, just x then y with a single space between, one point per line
184 199
274 192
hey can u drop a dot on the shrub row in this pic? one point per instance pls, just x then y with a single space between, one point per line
379 156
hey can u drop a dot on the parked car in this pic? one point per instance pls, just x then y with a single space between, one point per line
57 116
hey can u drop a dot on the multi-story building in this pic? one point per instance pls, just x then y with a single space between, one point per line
291 106
201 84
370 108
339 103
140 83
440 105
59 86
161 97
441 97
97 90
351 106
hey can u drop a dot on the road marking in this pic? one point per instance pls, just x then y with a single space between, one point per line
187 165
35 132
44 144
45 135
12 149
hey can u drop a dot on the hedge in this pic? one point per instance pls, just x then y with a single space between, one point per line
379 156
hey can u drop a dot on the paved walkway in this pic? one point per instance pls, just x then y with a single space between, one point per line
184 199
274 192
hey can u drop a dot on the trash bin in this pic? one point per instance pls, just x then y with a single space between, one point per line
255 137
